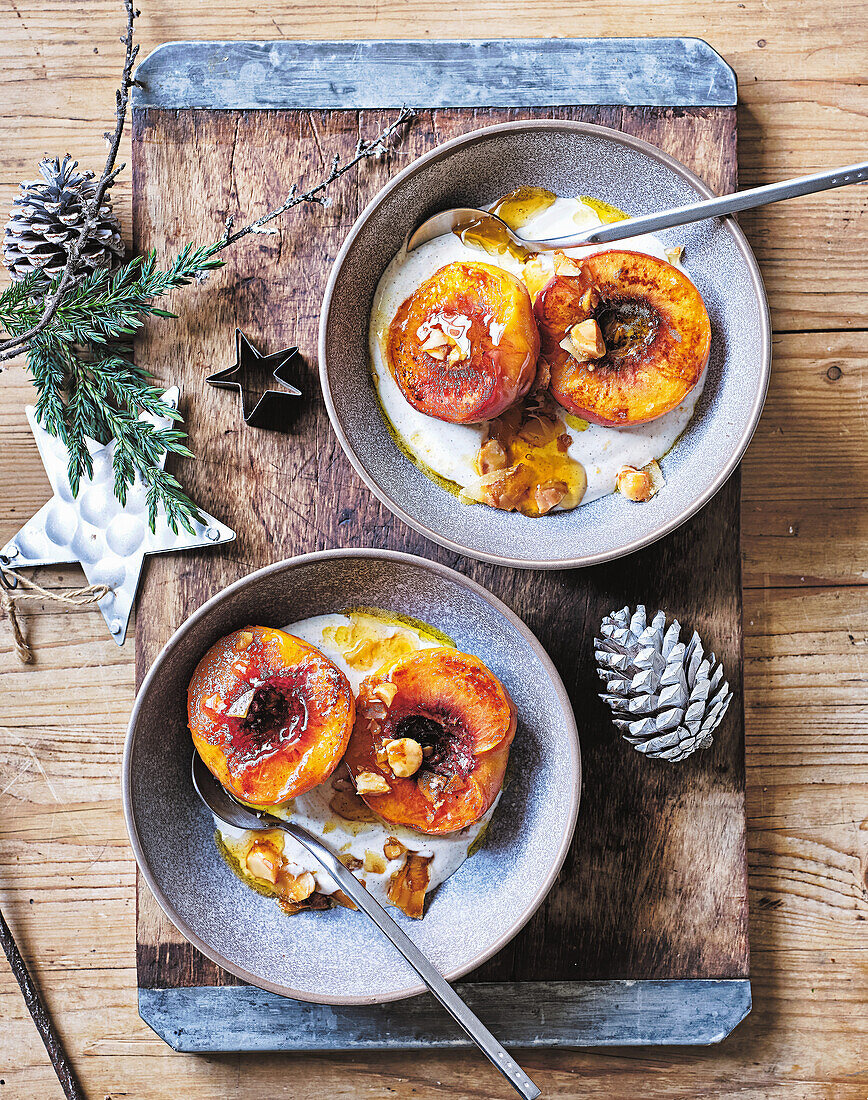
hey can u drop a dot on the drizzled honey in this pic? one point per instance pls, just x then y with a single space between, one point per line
519 206
364 644
604 210
525 463
516 209
491 238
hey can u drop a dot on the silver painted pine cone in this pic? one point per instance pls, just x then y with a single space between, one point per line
666 698
47 217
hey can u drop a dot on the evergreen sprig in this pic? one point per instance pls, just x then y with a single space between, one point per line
76 333
88 385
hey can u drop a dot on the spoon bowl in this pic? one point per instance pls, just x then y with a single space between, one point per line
470 219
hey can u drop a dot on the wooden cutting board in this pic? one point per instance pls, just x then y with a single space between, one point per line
651 906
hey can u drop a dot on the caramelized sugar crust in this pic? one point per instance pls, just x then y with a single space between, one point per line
464 346
461 716
269 714
653 323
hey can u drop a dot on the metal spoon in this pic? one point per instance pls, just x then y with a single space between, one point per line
221 803
462 219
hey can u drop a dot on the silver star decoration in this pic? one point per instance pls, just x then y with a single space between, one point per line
110 540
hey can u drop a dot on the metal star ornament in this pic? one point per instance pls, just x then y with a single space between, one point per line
109 539
261 405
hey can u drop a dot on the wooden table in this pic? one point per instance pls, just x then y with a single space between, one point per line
66 870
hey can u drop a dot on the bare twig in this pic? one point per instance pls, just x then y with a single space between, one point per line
317 193
9 349
65 1073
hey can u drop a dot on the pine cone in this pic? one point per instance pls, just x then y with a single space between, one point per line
47 217
664 697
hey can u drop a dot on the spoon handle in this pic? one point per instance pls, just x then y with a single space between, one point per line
726 204
429 974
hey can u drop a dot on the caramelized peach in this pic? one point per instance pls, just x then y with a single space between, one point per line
270 715
463 720
654 330
464 346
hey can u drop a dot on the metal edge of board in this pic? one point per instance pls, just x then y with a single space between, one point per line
697 1012
509 72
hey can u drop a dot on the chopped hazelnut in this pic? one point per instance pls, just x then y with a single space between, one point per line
386 692
374 864
673 255
351 863
436 339
301 887
263 862
393 848
566 265
243 641
585 341
549 495
404 756
640 485
408 884
241 705
492 456
634 484
371 783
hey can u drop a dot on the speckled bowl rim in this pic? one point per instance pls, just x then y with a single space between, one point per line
571 731
605 132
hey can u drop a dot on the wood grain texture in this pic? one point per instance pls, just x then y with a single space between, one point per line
66 870
654 886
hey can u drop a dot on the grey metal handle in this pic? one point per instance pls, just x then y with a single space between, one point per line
442 990
713 208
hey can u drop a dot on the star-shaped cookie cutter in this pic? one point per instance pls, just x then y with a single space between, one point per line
270 409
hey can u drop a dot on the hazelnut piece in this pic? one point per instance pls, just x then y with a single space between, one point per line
386 692
301 887
585 341
371 783
404 756
263 862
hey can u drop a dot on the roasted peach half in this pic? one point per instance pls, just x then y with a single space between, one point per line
464 346
431 740
626 337
270 715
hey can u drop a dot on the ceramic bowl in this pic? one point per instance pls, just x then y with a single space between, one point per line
338 956
569 158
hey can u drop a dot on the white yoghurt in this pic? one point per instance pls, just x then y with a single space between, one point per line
450 449
357 838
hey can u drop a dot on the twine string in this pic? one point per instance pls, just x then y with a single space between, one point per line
15 588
